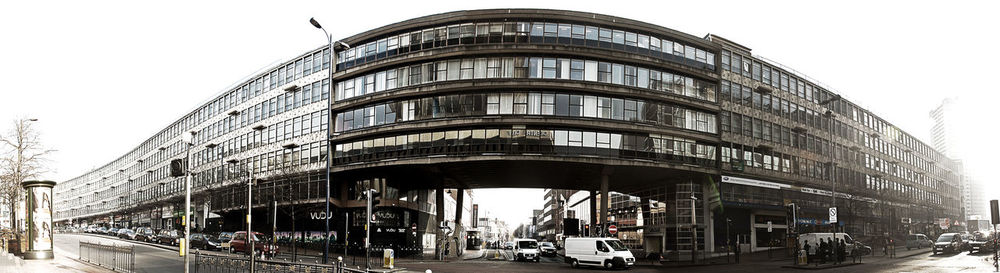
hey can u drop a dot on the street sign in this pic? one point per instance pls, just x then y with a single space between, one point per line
768 226
413 227
833 215
612 229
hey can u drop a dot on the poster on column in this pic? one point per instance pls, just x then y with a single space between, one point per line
41 216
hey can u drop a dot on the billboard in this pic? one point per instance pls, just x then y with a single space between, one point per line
41 216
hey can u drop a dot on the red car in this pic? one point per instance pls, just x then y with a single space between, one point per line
260 244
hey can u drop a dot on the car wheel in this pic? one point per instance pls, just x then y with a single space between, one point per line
608 265
574 263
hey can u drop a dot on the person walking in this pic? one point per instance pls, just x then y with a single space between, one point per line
821 252
805 247
736 249
842 251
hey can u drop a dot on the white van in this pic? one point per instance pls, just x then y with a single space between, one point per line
604 252
526 249
813 239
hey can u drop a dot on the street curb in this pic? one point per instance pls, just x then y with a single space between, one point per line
131 242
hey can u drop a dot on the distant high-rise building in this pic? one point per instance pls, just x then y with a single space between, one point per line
948 137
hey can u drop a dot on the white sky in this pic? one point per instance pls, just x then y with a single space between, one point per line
103 76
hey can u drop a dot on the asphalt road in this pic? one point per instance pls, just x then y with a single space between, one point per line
954 262
161 259
148 259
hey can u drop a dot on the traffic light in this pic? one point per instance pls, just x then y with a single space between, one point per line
374 197
586 229
791 211
178 167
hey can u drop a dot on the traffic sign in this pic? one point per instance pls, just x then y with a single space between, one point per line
413 227
833 215
612 229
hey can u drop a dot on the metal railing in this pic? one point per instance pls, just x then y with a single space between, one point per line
118 258
215 263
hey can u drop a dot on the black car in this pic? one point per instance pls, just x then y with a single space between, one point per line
168 237
145 235
205 241
948 242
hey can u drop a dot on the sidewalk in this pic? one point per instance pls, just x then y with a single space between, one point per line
61 264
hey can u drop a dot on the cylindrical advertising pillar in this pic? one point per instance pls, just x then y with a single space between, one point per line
38 203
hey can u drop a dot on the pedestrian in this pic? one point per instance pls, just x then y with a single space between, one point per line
842 251
885 246
805 247
736 249
821 251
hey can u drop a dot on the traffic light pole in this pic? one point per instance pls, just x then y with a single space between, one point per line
368 223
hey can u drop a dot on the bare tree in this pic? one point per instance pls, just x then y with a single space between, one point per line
23 159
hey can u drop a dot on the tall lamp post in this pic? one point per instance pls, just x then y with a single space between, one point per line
250 236
189 140
833 179
329 131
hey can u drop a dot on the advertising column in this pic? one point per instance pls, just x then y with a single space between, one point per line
38 203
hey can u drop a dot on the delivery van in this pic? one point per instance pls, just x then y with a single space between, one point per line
603 252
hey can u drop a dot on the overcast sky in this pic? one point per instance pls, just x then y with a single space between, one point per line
103 76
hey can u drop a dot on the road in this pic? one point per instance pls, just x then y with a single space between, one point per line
148 259
161 259
956 262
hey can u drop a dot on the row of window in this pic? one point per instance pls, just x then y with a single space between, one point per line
768 131
525 67
652 143
286 101
307 64
525 32
276 133
848 179
525 103
780 80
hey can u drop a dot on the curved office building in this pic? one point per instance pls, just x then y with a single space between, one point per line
531 98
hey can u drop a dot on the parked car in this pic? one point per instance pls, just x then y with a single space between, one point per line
204 241
602 252
127 234
224 238
948 242
168 237
547 249
239 243
508 245
526 250
112 232
854 247
981 242
145 234
120 232
918 241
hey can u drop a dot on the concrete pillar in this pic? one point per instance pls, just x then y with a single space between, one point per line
605 198
459 229
593 213
439 209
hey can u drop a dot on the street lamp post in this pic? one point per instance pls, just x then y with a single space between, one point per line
250 236
189 140
329 131
694 229
833 179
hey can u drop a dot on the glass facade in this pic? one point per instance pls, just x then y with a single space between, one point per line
527 32
525 68
525 103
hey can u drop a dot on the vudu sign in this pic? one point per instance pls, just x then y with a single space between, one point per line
321 215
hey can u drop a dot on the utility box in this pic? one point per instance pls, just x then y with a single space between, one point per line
387 257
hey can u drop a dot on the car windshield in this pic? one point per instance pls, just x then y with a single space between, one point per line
616 245
209 237
945 238
547 244
527 244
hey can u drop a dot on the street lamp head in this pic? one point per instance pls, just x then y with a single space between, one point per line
314 23
188 137
341 45
33 119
